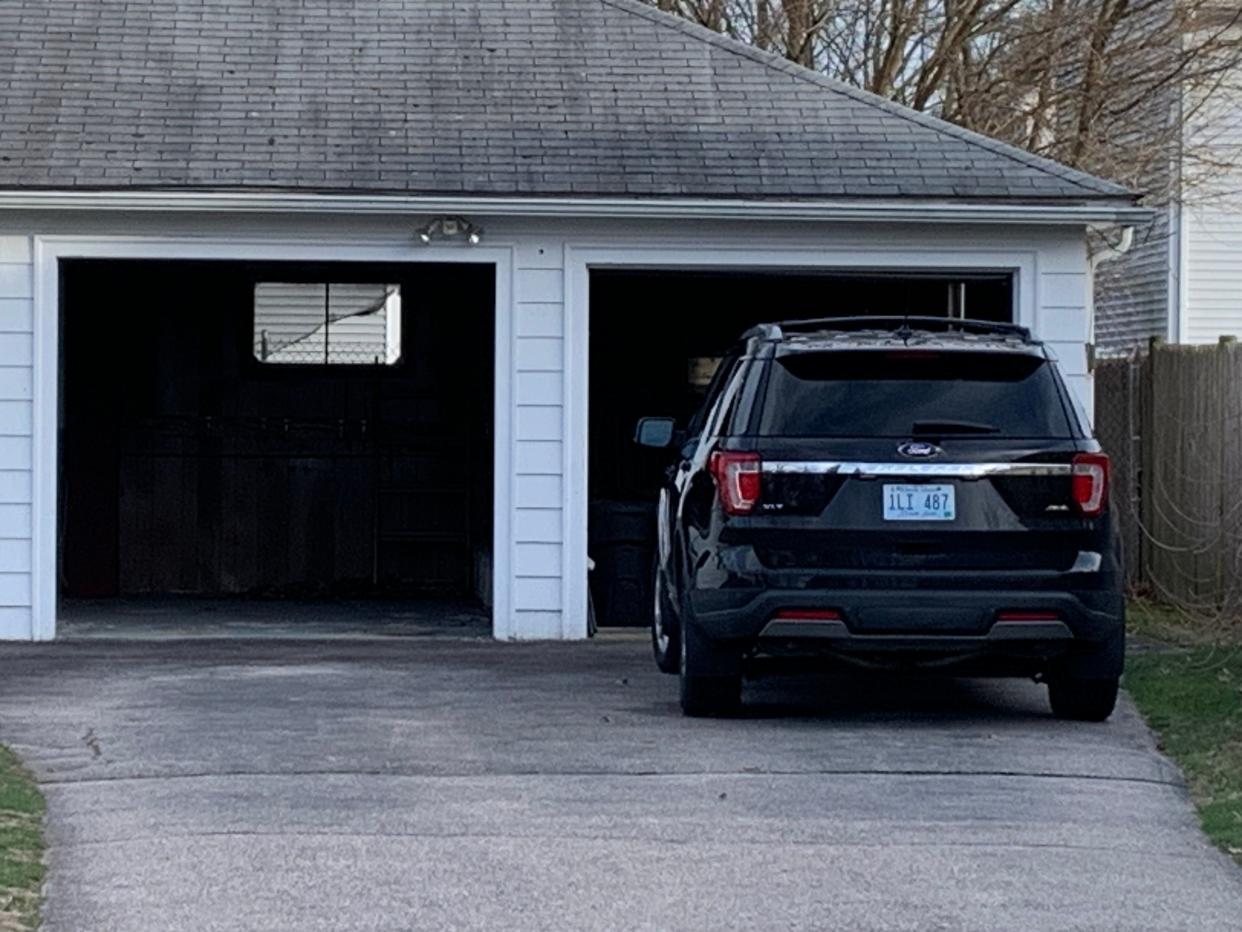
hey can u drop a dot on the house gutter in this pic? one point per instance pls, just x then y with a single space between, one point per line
574 207
1102 251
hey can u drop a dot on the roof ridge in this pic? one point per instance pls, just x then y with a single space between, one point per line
1098 186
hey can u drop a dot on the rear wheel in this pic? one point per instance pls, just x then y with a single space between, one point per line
1082 700
665 632
1083 686
711 681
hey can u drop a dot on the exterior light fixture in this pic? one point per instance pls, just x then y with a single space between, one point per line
449 228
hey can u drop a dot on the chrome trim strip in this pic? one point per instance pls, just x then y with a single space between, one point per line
922 470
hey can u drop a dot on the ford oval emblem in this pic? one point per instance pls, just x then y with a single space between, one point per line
916 449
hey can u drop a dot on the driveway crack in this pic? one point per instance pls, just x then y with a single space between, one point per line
612 774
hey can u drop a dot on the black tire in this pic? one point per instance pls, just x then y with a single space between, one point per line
1083 686
1082 700
665 629
710 687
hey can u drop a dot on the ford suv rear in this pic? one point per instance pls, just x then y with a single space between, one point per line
904 493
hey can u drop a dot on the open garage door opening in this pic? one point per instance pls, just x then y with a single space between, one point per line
656 337
304 444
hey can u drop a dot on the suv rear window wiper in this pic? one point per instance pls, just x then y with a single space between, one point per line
954 427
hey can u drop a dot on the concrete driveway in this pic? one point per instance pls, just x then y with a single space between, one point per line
463 784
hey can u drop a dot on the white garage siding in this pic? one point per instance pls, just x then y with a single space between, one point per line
541 419
538 493
16 393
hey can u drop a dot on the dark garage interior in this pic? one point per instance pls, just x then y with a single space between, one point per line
296 432
655 339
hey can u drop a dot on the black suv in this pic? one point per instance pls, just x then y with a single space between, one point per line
893 493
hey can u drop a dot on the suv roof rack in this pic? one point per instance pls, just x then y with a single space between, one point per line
902 326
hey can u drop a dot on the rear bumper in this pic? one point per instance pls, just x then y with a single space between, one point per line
731 614
941 627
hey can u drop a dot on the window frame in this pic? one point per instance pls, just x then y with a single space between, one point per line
321 368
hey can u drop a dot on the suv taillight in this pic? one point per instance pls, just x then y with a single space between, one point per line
738 477
1090 478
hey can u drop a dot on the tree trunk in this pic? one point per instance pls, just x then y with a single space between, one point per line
798 27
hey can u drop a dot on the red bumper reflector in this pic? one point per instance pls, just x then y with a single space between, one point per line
1027 616
808 614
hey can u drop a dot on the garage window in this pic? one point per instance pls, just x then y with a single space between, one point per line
322 323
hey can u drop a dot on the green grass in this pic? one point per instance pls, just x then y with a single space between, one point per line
1190 691
21 846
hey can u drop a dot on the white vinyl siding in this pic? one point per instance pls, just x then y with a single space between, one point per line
1061 317
16 394
1064 325
542 323
1212 219
538 437
1213 273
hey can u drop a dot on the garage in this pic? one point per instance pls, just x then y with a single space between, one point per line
655 338
242 439
294 326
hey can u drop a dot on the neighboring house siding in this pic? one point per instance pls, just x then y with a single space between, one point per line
16 392
1182 278
1212 236
1132 292
1213 274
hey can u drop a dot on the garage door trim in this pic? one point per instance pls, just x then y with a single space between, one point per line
49 250
582 258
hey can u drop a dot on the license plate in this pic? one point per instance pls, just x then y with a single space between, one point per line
919 503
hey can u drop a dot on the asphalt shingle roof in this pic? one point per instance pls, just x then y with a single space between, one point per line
485 97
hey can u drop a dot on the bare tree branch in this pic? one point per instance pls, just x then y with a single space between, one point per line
1108 86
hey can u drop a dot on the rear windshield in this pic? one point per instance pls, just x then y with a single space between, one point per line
910 393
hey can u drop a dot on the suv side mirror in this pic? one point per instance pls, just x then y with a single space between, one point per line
658 433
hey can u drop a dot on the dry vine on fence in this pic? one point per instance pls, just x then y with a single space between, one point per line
1171 419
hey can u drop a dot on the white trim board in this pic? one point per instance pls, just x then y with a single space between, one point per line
49 250
598 208
582 257
542 332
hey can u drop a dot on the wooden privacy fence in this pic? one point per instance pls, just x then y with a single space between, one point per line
1171 419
